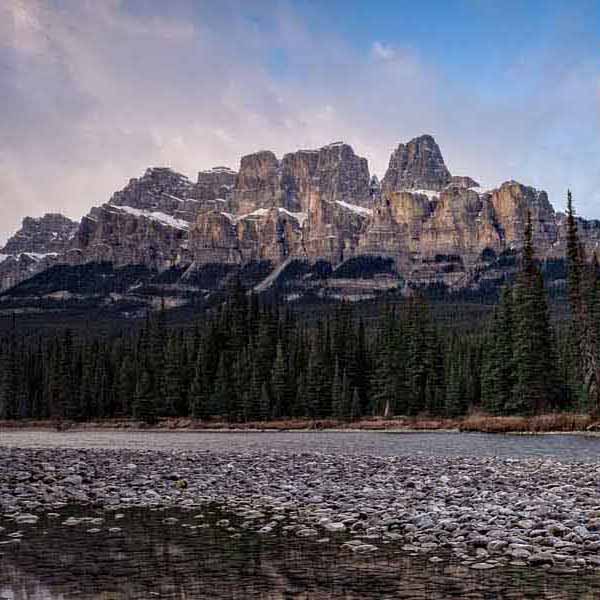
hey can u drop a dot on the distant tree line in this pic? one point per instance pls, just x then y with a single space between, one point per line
249 361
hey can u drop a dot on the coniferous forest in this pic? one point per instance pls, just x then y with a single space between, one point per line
250 360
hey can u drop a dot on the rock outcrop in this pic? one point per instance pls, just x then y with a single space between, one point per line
125 235
213 184
50 233
35 247
423 224
160 190
335 170
511 202
258 183
416 165
342 176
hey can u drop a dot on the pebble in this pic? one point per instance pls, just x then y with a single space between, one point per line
485 511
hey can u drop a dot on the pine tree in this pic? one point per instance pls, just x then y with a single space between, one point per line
199 396
8 380
337 391
264 408
456 394
223 400
574 264
382 386
279 384
126 384
498 359
533 345
172 388
71 406
356 409
144 407
300 408
347 408
417 337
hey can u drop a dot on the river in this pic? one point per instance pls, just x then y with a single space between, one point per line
133 549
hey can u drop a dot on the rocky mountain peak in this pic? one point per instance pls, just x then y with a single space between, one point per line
158 187
257 184
343 175
312 205
160 190
215 183
417 164
48 234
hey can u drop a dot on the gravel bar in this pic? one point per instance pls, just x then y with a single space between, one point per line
482 511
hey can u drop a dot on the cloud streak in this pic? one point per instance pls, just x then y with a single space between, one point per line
94 92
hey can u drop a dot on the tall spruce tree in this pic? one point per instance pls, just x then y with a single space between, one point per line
280 384
144 406
533 344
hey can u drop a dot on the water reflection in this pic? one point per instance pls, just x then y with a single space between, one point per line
155 554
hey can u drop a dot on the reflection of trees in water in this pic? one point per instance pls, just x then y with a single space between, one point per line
150 558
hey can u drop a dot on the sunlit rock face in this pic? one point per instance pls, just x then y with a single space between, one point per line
213 184
416 165
313 205
512 201
258 183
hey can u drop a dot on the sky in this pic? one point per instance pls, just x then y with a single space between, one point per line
92 92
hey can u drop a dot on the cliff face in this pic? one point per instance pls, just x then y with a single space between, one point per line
312 205
50 233
257 184
215 183
36 246
416 165
335 170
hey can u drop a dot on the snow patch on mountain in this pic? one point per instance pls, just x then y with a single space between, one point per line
157 216
359 210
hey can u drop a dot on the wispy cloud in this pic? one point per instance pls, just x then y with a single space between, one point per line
383 51
93 93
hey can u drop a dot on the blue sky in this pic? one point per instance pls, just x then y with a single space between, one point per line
94 91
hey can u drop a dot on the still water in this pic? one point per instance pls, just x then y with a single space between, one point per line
560 447
176 555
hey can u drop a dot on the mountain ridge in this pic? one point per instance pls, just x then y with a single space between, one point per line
319 207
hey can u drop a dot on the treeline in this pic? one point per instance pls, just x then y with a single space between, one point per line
249 361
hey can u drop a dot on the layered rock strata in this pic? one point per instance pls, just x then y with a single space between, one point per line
313 205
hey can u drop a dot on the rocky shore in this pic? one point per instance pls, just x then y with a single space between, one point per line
483 512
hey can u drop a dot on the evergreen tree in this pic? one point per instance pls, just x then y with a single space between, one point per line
223 400
172 396
265 403
347 408
383 389
279 384
144 406
199 396
356 409
127 384
8 380
574 264
497 362
337 391
533 340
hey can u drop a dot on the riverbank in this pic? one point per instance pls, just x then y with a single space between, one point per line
548 423
484 510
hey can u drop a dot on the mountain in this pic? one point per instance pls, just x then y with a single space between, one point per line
313 222
35 247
